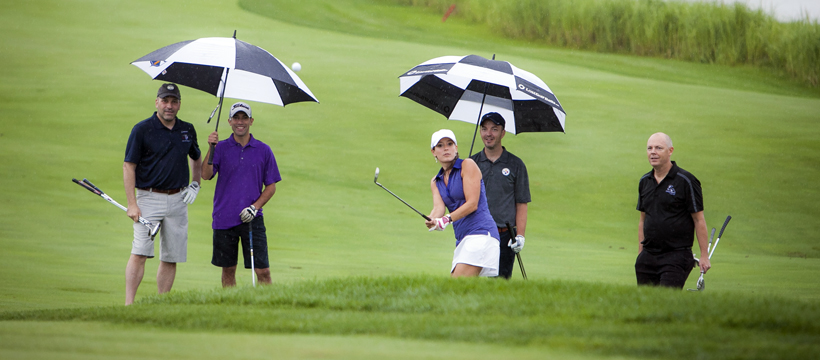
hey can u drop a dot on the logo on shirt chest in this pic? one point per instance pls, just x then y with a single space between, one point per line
185 136
505 172
671 190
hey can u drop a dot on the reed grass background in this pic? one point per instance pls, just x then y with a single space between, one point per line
730 34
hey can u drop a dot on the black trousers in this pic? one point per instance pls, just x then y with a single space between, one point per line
506 257
669 268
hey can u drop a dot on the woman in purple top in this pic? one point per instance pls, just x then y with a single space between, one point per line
458 188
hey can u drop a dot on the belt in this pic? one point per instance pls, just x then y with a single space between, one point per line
502 230
161 191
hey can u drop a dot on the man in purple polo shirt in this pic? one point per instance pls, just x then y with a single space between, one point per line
247 180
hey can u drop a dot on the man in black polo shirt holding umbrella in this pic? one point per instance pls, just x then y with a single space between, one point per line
670 200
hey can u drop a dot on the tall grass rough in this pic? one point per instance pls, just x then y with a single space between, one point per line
729 34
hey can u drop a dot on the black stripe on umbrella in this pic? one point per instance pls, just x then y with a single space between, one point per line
475 60
201 77
436 94
538 93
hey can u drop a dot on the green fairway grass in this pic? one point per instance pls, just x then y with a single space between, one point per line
71 97
587 318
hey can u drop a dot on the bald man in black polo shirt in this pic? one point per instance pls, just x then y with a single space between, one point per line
670 200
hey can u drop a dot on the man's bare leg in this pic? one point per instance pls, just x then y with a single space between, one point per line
165 276
134 271
229 276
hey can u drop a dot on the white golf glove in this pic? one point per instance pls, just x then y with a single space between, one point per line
518 245
441 223
189 193
248 214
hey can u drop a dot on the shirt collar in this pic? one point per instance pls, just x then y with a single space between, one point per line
159 125
440 174
482 156
233 142
673 171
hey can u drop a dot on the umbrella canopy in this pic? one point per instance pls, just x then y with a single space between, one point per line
207 64
467 87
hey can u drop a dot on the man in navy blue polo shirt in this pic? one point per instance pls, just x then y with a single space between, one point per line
155 174
670 200
247 180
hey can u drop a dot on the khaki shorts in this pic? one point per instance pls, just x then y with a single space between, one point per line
478 250
173 235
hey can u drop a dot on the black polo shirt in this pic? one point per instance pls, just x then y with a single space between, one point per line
669 207
161 154
506 183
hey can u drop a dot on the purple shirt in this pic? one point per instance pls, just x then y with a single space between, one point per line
479 222
243 173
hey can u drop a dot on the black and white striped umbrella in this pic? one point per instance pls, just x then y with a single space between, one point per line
455 86
208 64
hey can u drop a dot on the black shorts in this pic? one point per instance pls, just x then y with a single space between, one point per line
665 269
226 249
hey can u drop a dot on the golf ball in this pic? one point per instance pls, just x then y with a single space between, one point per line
296 66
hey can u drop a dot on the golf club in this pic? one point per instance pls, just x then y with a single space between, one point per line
697 262
719 236
702 283
517 255
375 180
153 229
711 237
250 240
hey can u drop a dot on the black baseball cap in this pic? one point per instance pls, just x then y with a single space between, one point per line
495 117
168 90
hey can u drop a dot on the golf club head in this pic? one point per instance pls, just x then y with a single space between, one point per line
376 178
153 231
700 284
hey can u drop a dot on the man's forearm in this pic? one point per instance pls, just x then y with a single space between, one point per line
129 179
266 195
521 218
196 170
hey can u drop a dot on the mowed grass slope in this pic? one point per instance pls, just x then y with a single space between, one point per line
71 99
607 320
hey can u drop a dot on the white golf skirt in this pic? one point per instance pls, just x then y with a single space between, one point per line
478 250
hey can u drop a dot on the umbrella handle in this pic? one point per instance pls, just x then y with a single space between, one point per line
211 157
219 115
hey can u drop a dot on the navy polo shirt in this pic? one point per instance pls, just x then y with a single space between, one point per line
669 206
161 154
507 184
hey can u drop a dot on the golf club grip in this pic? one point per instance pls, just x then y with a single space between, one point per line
211 155
511 230
724 226
85 186
89 183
